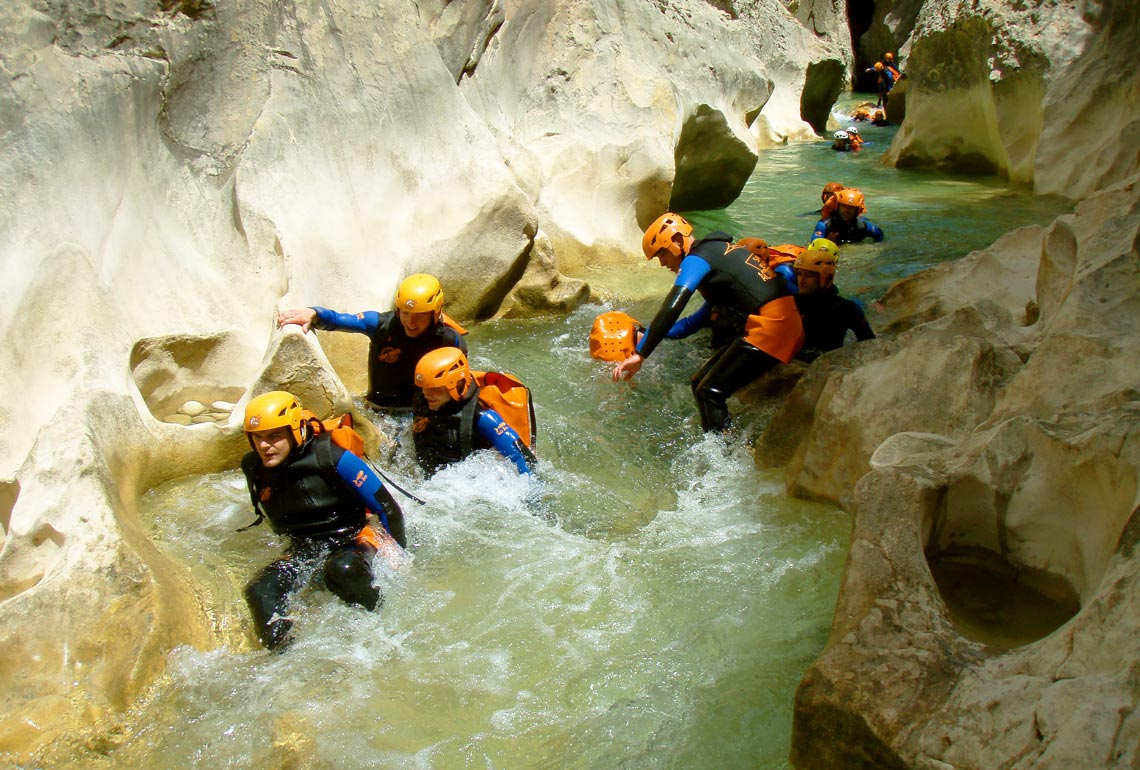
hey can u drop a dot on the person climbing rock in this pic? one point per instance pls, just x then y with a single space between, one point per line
398 339
827 316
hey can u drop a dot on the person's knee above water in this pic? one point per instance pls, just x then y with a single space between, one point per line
323 498
827 316
733 278
458 411
397 339
847 224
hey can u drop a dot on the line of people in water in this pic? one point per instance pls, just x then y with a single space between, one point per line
764 304
327 498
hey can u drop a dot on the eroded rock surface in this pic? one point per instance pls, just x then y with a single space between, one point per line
172 174
1014 88
1002 417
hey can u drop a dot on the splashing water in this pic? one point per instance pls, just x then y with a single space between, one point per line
652 602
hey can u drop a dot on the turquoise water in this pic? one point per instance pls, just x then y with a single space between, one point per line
928 216
651 603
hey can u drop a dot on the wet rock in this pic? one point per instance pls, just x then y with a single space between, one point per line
192 408
998 457
1012 88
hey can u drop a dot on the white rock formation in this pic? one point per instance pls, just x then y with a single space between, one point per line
171 174
1043 92
1001 421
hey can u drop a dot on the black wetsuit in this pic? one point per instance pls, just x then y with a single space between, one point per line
319 497
459 428
739 286
837 229
392 354
827 317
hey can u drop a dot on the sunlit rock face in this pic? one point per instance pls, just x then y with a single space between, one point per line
174 173
989 449
610 113
1024 90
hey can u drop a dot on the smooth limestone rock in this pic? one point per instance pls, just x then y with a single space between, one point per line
1017 88
173 174
192 408
997 430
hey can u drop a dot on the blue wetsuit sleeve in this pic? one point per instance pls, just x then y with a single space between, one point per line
859 323
690 324
332 321
873 230
788 273
494 429
693 271
370 490
820 229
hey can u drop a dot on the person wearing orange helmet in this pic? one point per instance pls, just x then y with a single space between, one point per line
827 203
769 329
889 64
847 224
397 339
884 81
320 496
453 415
827 316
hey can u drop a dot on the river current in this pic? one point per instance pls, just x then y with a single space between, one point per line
652 602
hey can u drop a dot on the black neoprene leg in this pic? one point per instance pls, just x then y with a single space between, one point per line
268 598
729 370
706 367
348 574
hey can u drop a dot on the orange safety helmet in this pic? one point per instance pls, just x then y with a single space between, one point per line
830 189
757 246
878 66
888 57
613 336
818 261
660 235
444 368
272 410
851 197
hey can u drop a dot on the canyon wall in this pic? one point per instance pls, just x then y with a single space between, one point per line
174 172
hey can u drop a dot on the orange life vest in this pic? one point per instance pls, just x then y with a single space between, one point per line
784 253
340 430
447 320
512 400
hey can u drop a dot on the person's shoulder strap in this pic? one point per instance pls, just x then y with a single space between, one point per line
467 423
249 470
323 447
